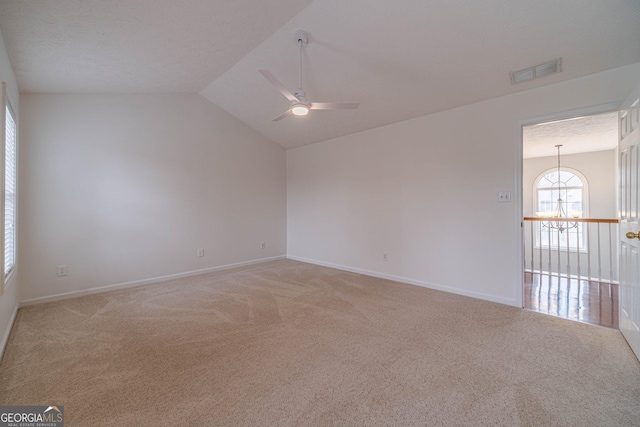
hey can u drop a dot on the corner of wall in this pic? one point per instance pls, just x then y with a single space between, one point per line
7 331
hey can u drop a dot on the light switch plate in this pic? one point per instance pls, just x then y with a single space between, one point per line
504 196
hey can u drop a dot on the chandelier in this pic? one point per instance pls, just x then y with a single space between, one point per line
558 218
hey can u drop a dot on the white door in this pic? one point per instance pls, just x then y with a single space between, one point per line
629 211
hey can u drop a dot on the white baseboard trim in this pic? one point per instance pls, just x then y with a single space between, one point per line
135 283
408 281
7 332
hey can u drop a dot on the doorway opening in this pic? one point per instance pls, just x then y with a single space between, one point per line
570 227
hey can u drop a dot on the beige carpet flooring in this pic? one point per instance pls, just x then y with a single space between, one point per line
291 344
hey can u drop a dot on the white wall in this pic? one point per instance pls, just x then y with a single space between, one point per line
9 300
599 169
124 188
424 191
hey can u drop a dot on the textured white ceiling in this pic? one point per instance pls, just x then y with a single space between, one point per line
584 134
399 59
133 45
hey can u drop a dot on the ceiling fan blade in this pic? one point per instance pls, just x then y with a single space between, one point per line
282 116
283 90
334 105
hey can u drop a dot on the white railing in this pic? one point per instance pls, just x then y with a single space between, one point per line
587 251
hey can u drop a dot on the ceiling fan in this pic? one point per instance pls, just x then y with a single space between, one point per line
300 106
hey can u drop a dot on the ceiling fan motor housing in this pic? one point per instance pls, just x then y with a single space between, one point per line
301 95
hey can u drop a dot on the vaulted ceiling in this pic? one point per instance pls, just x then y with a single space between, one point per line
399 59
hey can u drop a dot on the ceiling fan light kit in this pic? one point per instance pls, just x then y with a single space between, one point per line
300 106
299 110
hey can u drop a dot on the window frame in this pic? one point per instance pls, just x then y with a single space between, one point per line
8 110
585 208
6 106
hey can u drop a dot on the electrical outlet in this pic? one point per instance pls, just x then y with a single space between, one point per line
62 270
200 252
263 245
385 256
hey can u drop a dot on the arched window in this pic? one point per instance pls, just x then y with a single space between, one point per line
570 186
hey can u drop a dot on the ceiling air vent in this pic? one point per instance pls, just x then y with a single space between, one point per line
551 67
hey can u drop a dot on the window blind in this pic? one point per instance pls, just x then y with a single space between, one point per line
10 193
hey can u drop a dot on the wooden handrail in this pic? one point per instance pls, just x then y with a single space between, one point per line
603 220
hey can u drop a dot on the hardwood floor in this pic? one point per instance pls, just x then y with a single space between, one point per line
581 300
